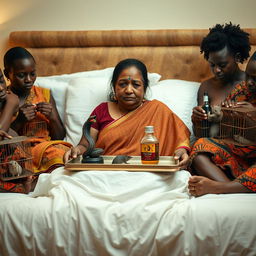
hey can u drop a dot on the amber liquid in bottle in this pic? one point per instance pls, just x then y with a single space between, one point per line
149 147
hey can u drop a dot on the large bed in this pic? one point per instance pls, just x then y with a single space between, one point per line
119 212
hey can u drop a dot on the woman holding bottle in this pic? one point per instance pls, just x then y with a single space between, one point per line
222 167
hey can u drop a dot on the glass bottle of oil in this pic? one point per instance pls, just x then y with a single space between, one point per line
149 147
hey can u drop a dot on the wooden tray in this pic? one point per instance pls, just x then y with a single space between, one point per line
166 164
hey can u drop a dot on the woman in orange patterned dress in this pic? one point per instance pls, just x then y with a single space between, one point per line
226 167
38 116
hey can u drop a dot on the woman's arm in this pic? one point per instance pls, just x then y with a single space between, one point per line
11 107
81 147
84 142
181 154
198 113
4 134
56 128
27 112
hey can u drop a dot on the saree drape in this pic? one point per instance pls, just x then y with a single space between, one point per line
123 136
46 153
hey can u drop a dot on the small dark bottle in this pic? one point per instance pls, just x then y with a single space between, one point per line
207 108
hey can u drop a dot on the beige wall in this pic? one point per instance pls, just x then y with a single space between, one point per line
120 14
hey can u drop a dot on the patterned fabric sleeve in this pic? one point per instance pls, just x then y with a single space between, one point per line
239 93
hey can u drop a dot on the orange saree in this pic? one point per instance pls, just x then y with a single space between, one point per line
123 136
46 153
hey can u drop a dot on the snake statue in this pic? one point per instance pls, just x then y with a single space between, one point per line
91 155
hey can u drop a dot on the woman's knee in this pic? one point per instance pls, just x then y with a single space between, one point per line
200 159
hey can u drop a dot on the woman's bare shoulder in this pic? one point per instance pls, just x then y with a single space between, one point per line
12 98
206 84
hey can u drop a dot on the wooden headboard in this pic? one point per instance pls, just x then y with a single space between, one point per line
171 53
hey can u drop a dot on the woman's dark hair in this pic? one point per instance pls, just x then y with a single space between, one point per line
13 54
230 36
124 64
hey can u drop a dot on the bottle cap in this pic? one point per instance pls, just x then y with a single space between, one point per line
149 129
206 97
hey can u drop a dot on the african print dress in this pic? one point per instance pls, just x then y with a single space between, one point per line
237 161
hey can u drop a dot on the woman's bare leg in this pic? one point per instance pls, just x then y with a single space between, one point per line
199 186
203 166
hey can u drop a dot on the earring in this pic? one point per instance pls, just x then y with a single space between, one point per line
114 95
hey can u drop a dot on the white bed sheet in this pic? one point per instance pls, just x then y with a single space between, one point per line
124 213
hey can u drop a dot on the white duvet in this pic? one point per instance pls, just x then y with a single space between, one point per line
124 213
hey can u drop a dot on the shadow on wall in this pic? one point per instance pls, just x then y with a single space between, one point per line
11 15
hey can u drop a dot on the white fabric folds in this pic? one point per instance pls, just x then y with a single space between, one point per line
124 213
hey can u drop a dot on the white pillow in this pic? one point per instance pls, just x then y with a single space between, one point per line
83 95
179 95
59 83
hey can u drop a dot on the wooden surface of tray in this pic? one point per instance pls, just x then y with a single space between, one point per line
166 164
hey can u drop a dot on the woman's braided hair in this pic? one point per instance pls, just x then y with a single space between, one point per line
230 36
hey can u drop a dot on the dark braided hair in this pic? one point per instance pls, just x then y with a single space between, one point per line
230 36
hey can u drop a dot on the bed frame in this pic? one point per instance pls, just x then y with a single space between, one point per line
69 214
172 53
